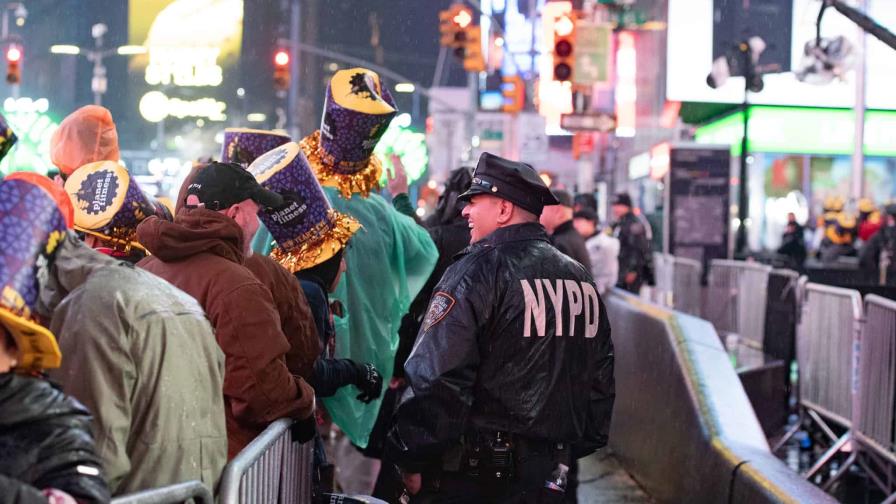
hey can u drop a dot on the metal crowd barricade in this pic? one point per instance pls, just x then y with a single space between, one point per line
662 275
173 494
781 312
735 301
828 335
686 285
874 418
271 469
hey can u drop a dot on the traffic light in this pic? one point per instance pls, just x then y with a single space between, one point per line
13 58
514 91
452 23
564 47
459 33
472 49
281 70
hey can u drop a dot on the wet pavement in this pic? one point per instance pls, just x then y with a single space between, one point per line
603 480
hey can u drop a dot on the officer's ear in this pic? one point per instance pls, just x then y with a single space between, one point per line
505 211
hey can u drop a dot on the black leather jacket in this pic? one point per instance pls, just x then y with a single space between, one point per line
45 442
516 339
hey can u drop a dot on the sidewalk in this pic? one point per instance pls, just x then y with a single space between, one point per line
603 480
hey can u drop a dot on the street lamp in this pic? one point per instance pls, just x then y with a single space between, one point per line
98 83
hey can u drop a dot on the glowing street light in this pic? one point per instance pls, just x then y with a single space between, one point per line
405 87
13 54
131 50
281 58
65 49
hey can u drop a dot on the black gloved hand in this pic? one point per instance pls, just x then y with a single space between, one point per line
369 381
304 430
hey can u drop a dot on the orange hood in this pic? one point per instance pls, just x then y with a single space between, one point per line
85 136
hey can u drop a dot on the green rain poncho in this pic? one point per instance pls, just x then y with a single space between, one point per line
389 259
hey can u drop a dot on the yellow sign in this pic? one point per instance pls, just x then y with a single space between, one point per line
189 41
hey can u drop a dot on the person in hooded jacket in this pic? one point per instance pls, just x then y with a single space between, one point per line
295 315
120 344
84 136
495 402
46 447
203 253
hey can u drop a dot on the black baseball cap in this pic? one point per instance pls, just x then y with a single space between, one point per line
622 199
222 185
513 181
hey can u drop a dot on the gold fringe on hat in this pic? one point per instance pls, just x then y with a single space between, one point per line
122 239
364 181
311 253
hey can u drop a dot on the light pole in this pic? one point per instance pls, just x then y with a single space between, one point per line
96 55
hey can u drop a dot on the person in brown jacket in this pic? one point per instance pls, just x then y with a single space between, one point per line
292 306
203 253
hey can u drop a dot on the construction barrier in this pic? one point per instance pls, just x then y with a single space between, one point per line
174 494
682 424
271 469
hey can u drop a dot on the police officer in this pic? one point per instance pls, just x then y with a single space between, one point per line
511 376
635 258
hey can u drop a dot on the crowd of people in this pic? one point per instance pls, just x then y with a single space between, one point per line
868 235
464 358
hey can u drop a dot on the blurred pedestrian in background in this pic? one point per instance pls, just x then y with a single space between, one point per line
793 243
557 221
635 256
603 249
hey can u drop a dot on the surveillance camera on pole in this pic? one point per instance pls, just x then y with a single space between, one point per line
825 59
742 60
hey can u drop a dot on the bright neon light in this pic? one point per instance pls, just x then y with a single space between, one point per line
184 66
407 144
156 106
626 88
65 49
34 127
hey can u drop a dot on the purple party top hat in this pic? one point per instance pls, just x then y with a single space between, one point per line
243 146
34 216
357 112
307 230
7 137
110 205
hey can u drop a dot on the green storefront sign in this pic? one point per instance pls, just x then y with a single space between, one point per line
796 130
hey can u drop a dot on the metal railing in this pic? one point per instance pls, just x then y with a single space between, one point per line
686 287
271 469
173 494
826 335
677 283
736 299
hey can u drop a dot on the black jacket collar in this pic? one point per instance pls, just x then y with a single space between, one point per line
514 233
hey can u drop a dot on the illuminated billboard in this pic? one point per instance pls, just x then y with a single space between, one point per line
690 54
190 43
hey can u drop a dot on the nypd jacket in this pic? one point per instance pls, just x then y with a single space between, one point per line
516 339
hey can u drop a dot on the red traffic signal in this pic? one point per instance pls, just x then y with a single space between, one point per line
281 58
13 57
13 54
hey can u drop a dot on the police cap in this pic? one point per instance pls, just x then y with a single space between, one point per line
513 181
